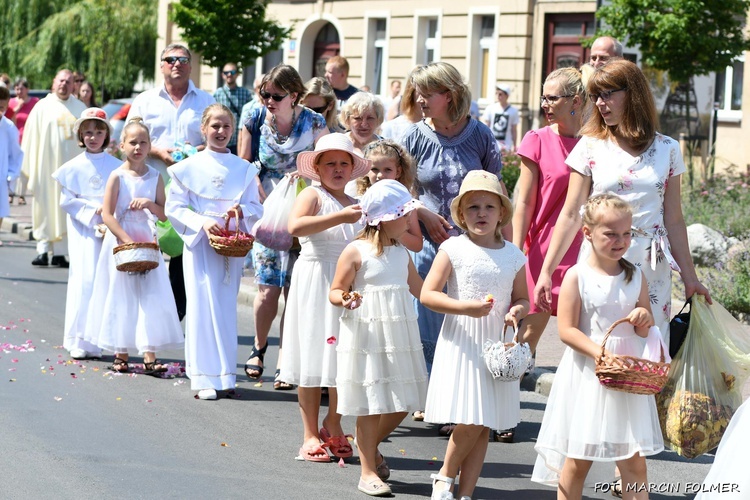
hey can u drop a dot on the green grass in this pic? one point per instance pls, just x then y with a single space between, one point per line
723 204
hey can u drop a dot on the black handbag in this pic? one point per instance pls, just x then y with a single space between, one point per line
678 329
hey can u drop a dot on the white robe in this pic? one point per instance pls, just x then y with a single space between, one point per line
48 142
83 180
204 187
11 157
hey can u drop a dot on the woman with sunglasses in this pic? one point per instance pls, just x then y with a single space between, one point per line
321 99
620 151
286 129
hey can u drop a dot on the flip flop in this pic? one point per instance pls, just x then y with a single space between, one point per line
339 445
314 454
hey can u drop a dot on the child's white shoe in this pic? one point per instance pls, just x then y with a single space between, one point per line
441 494
207 394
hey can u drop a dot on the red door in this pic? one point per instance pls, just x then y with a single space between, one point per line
327 45
563 41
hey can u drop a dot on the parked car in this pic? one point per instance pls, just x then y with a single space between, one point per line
117 110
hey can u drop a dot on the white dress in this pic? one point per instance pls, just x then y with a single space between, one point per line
204 187
642 181
462 389
132 312
311 325
83 180
583 419
381 367
729 470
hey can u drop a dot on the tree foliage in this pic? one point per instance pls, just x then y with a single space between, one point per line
684 37
228 30
111 42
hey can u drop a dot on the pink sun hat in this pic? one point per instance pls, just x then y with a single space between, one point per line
331 142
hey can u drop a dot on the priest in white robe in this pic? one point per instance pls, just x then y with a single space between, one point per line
49 142
203 188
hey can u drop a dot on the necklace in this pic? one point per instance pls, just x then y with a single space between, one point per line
279 136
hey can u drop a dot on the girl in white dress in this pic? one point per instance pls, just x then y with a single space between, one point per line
382 373
486 280
325 220
204 187
133 311
584 422
82 180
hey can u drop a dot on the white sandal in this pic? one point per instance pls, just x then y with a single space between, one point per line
441 494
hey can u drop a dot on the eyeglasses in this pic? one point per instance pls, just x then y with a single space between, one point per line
321 109
606 95
276 97
173 59
230 72
552 99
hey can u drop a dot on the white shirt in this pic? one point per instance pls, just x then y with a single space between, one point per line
168 123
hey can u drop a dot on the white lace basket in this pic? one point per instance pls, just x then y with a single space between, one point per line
507 361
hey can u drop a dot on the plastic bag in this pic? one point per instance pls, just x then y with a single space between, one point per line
169 241
705 383
271 230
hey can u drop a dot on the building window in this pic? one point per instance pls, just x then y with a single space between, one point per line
483 54
428 34
377 55
728 94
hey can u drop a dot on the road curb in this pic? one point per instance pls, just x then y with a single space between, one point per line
15 226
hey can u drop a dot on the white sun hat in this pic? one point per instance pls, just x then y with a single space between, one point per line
386 200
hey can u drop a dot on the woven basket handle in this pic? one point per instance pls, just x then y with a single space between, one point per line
232 213
610 330
515 332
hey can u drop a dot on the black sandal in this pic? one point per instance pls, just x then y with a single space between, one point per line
280 385
151 368
505 436
255 353
120 365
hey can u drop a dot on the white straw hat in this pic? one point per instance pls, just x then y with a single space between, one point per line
480 180
92 114
386 200
331 142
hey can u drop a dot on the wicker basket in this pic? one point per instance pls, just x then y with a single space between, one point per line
628 373
136 257
229 244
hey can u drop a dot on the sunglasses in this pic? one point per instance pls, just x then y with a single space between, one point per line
276 97
551 99
79 80
230 72
173 59
321 109
605 95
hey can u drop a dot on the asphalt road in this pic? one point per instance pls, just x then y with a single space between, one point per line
71 430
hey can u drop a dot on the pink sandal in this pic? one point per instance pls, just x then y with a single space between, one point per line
339 445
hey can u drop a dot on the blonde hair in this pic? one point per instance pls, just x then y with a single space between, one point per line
377 238
319 86
441 77
358 104
134 122
591 214
219 109
570 80
395 152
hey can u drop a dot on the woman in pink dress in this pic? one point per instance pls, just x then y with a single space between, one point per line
18 111
542 187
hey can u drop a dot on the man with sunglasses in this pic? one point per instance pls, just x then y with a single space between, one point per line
48 142
172 112
234 97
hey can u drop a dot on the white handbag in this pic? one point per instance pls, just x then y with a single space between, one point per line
507 361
